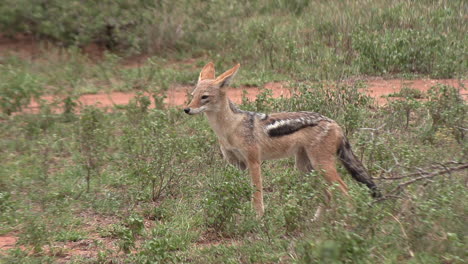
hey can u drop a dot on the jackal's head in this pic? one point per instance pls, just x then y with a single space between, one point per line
207 95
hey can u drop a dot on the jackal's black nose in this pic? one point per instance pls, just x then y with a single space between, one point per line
187 110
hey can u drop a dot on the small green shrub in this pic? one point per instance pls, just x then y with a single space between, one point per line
447 109
153 154
225 199
400 111
299 197
70 235
135 223
408 92
348 247
126 237
17 88
69 107
91 142
36 234
161 247
127 233
7 206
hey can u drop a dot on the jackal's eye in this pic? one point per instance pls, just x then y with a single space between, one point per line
204 97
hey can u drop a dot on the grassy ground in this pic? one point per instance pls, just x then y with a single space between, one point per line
146 185
140 185
303 39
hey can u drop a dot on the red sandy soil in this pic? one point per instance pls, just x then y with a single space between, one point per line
7 242
177 97
27 47
378 88
21 45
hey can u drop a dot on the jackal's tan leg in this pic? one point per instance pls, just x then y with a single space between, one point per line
326 161
304 165
302 162
253 163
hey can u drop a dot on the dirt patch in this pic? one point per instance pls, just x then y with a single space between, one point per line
28 47
21 45
88 247
379 88
7 242
178 96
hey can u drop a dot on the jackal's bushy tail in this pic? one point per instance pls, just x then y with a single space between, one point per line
355 167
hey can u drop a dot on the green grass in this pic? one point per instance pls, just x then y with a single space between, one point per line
300 39
205 215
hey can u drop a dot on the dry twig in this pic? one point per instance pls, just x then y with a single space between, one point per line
420 175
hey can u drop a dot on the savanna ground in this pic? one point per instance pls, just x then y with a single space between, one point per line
141 182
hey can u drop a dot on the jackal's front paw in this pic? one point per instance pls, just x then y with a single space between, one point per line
260 212
259 208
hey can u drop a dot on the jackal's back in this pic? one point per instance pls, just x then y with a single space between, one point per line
283 124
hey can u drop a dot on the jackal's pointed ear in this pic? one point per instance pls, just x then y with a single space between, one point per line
208 72
226 77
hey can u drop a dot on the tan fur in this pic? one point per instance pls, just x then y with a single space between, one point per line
208 72
244 140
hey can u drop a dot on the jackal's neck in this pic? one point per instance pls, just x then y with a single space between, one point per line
223 118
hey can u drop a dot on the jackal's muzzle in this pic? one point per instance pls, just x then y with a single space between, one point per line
194 111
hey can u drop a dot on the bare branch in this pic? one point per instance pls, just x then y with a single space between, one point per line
426 176
444 167
420 175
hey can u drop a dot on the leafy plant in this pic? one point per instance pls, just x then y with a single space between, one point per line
161 247
91 142
36 234
17 88
135 224
126 237
70 235
348 248
153 153
404 107
225 198
408 92
447 109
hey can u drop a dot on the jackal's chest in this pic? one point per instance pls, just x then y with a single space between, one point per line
231 141
233 136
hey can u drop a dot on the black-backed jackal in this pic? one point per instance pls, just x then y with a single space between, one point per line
248 138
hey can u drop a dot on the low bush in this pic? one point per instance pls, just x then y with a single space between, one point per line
225 200
17 88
